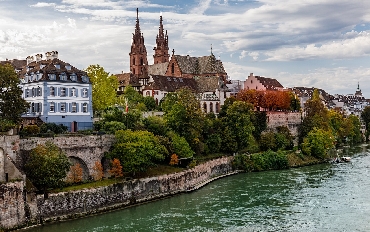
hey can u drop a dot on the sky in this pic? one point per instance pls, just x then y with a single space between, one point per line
312 43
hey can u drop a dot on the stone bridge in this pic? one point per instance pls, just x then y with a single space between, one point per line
85 150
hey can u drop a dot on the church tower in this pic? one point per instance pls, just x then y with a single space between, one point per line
161 51
138 55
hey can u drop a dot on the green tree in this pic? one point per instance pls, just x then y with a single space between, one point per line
352 129
180 146
184 116
156 125
47 166
12 105
317 143
365 115
239 123
137 150
316 115
104 87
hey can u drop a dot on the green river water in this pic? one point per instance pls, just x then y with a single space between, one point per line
327 197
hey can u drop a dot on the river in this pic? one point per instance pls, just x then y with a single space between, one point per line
326 197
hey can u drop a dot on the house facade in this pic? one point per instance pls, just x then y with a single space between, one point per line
57 92
262 83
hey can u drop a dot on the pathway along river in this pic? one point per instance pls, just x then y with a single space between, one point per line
327 197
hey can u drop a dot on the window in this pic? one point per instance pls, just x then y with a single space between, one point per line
52 91
62 92
74 107
63 107
52 77
57 66
63 77
85 79
68 67
147 93
217 107
84 92
205 107
33 92
141 61
39 91
52 107
84 107
173 68
73 92
27 93
73 77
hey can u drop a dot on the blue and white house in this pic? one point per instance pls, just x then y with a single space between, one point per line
57 92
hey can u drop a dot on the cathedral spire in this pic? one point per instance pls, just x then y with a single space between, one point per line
161 50
138 54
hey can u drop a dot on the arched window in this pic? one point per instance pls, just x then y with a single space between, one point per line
147 93
205 107
156 101
173 68
217 107
141 61
211 107
133 61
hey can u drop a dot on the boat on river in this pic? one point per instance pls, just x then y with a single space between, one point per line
342 159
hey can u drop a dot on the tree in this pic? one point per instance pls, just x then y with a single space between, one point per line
174 160
97 173
116 168
365 115
316 116
104 87
238 121
317 143
137 150
47 166
184 116
75 174
12 105
180 146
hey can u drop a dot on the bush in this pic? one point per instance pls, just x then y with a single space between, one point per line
31 130
52 127
112 127
268 160
317 143
6 125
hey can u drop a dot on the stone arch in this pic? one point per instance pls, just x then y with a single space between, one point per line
85 170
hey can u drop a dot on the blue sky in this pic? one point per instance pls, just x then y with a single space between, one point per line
312 43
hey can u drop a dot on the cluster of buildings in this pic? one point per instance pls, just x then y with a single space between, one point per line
62 94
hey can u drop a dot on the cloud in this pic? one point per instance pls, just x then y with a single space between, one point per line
356 46
43 4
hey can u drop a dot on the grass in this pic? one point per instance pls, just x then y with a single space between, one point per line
153 171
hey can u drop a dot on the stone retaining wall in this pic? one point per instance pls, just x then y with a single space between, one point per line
88 201
12 210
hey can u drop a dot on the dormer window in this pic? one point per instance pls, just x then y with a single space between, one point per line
63 77
73 77
68 67
85 79
42 66
57 66
52 77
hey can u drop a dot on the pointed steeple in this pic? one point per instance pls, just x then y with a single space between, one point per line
161 50
138 54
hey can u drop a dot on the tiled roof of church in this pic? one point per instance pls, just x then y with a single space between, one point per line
200 65
158 69
208 84
126 79
269 83
171 84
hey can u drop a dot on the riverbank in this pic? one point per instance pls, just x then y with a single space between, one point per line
81 203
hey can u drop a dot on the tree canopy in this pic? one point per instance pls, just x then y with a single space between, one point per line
47 166
12 105
104 87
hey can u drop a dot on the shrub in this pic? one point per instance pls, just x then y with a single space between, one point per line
75 174
31 130
6 125
174 160
113 126
52 127
97 171
116 168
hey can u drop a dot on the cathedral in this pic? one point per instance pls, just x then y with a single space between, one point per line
169 73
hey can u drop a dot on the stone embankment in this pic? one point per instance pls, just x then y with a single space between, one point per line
74 204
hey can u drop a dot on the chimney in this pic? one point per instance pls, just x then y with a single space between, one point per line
51 55
29 59
38 57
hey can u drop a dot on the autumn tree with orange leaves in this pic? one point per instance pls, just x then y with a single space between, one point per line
75 174
269 100
98 171
116 168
